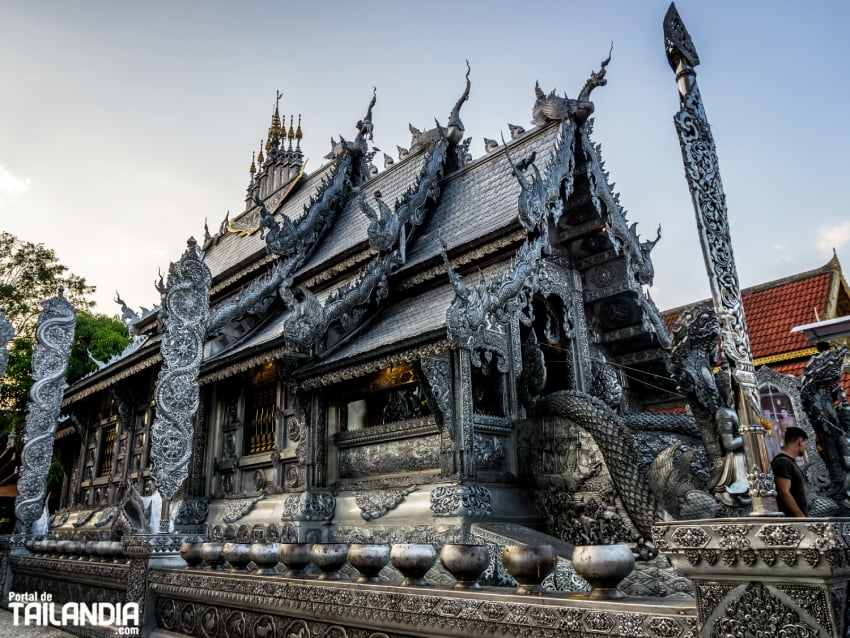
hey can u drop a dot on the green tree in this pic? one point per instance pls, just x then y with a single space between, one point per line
98 335
29 274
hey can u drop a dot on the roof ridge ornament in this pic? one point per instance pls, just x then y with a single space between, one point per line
553 108
454 124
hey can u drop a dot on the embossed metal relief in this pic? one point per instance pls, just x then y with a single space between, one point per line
346 611
185 314
54 334
780 536
375 503
757 607
405 455
309 506
461 500
690 537
235 509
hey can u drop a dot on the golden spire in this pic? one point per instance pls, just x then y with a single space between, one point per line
260 158
275 128
253 169
298 133
291 134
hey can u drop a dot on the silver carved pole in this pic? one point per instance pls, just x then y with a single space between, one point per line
54 334
703 174
6 334
186 315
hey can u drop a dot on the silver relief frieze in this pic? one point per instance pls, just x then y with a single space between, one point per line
461 500
309 506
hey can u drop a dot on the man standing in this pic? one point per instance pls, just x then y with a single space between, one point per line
790 488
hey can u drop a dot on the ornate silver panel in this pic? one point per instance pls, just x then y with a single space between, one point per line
461 500
405 455
309 506
375 503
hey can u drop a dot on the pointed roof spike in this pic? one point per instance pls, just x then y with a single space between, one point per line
365 127
455 126
677 40
298 134
596 79
291 134
260 158
253 169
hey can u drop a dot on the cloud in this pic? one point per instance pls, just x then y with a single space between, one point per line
11 186
830 237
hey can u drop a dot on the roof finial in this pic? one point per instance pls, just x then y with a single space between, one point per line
260 158
253 169
274 129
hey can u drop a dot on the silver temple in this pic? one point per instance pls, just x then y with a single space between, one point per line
448 350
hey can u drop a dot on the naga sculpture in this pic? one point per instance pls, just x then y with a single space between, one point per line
695 338
308 322
185 307
820 391
54 334
453 130
551 108
610 433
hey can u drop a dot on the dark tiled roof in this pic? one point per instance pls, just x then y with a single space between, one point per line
349 230
405 320
480 201
232 250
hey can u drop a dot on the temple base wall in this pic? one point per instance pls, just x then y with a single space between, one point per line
788 576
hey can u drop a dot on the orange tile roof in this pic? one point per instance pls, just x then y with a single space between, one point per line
773 308
771 313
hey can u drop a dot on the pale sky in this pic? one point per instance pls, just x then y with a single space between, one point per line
123 125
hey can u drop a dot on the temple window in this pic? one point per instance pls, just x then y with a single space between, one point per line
108 450
488 390
778 411
390 395
261 412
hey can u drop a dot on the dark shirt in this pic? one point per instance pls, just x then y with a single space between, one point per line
784 466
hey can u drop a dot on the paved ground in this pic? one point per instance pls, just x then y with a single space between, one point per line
9 630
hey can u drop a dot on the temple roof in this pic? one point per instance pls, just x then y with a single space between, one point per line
335 266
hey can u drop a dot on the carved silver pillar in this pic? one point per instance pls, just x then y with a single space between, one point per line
185 315
703 174
54 333
6 334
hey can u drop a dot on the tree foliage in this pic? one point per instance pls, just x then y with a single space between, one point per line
98 335
29 274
